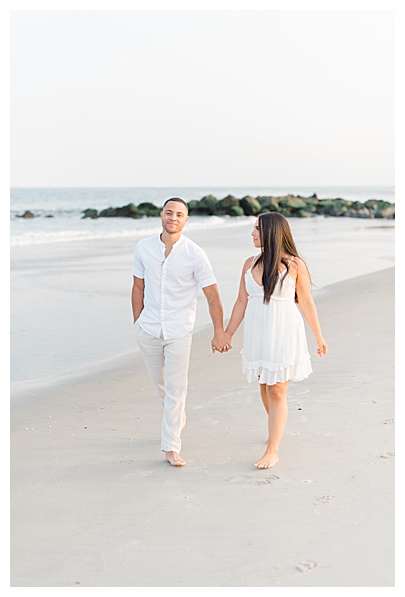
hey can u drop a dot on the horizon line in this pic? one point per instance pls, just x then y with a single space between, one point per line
255 186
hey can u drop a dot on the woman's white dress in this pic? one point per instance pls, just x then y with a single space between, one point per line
275 344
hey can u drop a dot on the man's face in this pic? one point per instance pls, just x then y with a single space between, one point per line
174 216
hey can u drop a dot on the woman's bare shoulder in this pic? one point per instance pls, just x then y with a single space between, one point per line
301 269
298 263
248 263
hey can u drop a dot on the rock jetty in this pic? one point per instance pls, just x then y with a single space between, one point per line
291 206
126 211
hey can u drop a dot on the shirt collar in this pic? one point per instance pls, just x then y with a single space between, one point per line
176 244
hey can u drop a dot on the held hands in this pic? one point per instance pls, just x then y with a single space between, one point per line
221 342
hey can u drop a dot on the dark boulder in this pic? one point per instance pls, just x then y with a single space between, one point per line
90 213
207 206
225 205
235 210
27 215
270 203
292 204
378 204
149 209
250 206
126 211
229 200
388 213
109 212
192 206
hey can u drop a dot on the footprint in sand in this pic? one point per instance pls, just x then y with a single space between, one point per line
325 499
250 481
307 565
268 481
238 479
388 455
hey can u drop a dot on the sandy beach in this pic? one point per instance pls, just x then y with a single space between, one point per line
93 504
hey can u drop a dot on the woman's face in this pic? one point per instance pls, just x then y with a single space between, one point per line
256 235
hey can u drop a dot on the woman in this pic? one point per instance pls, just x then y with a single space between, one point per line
275 349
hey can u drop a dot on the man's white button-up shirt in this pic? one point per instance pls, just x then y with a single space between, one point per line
171 284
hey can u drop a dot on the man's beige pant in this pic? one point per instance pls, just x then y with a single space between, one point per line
167 363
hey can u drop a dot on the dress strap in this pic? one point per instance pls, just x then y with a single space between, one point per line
290 260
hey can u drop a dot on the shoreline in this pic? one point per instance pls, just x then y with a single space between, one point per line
71 302
19 390
92 498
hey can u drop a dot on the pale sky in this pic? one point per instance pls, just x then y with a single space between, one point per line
202 98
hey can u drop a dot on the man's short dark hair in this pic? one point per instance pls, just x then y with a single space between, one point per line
176 199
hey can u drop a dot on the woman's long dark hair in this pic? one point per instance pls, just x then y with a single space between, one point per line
276 240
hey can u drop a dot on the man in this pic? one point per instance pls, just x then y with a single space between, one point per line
168 271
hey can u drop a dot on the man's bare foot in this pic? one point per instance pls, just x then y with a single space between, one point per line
174 459
268 460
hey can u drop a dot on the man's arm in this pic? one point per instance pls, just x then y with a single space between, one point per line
220 340
138 291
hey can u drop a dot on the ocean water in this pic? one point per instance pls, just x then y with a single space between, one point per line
59 210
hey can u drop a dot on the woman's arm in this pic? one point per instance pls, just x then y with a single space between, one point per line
307 306
239 308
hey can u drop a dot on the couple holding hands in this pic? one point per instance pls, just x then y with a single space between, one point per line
168 271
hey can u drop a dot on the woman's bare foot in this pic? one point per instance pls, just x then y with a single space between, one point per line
174 459
268 460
